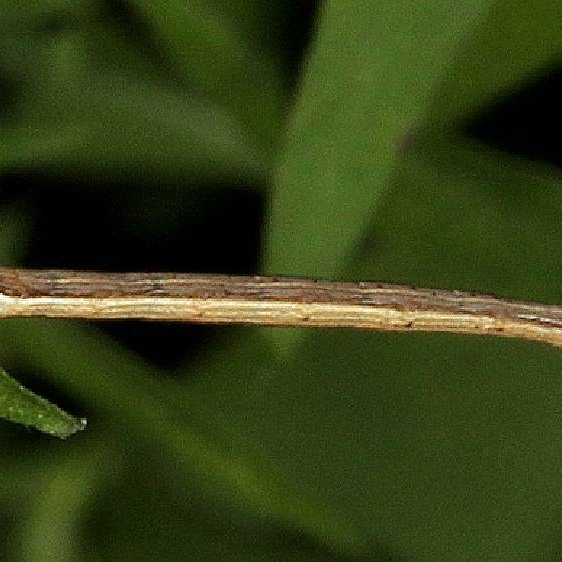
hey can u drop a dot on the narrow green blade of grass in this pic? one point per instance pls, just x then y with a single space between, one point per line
516 41
20 405
367 83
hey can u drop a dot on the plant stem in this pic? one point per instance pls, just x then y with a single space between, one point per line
273 301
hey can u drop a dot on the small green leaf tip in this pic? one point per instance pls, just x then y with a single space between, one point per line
20 405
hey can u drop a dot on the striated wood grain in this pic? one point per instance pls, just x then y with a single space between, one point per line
279 301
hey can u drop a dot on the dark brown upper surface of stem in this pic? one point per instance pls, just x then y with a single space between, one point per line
71 284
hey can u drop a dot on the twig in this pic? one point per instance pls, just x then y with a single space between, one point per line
274 301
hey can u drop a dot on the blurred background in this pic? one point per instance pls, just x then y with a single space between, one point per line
402 142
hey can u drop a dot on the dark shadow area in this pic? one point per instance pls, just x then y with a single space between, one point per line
153 225
528 122
214 229
299 27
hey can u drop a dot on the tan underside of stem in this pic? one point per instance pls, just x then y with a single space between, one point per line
276 313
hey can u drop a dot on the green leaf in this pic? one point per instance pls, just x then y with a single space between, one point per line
128 135
66 488
199 525
139 399
515 42
460 432
369 80
14 14
20 405
207 48
182 137
83 101
462 216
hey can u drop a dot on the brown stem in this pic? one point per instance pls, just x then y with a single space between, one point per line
275 301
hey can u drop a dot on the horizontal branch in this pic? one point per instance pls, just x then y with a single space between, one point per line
273 301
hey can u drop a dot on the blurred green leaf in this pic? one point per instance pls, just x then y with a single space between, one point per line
486 219
368 82
99 372
386 447
128 136
515 42
437 443
189 522
125 128
52 527
89 103
265 25
210 50
20 405
15 14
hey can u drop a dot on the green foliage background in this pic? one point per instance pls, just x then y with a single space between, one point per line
153 135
